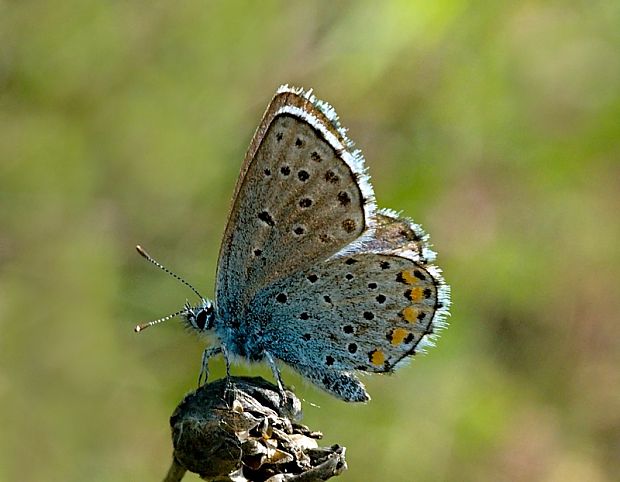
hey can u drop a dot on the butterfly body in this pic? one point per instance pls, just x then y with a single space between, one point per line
310 272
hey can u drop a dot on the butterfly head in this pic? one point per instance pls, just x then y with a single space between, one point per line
200 317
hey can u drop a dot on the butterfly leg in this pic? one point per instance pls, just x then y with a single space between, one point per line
276 373
229 386
209 353
227 360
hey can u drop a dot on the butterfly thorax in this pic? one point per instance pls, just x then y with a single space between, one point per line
241 334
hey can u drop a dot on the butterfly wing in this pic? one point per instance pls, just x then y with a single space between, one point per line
302 196
365 311
394 234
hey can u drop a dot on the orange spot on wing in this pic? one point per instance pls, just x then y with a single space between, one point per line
416 294
377 357
398 335
408 277
410 314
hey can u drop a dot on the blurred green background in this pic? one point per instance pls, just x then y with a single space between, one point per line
494 124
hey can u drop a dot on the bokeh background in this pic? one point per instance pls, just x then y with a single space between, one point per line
494 124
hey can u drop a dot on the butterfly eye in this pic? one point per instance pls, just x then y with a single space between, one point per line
201 319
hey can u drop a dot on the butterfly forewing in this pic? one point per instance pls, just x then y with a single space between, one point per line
299 201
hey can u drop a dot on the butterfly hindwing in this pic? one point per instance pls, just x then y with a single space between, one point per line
361 312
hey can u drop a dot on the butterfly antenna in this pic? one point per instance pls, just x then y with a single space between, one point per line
148 257
144 326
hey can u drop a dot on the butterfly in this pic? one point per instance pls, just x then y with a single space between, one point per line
310 272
